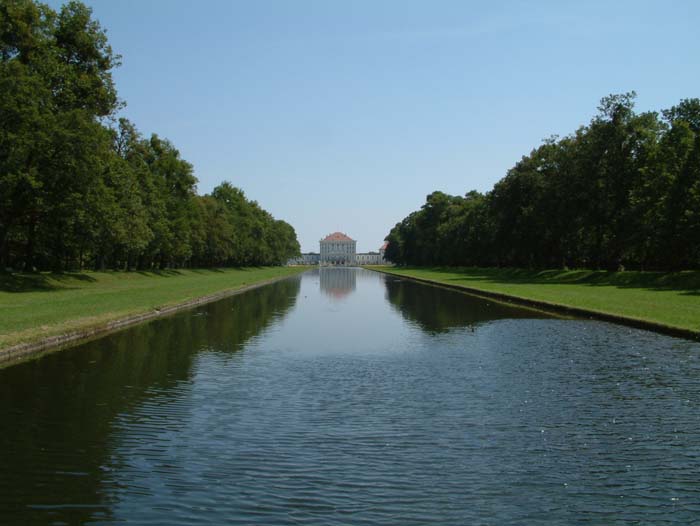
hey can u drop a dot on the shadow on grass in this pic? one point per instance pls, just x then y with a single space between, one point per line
179 272
165 273
38 282
205 270
686 282
49 281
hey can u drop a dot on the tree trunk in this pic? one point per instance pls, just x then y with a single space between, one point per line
29 249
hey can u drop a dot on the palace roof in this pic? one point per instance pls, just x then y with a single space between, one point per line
337 236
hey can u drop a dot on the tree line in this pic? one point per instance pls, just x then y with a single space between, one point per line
80 188
620 192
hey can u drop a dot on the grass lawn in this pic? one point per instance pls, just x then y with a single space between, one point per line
36 306
668 298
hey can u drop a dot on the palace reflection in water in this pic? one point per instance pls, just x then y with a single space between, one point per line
338 282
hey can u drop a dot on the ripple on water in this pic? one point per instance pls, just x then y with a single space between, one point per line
386 405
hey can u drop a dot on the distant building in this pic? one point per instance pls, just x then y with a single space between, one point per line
311 258
382 251
339 249
372 258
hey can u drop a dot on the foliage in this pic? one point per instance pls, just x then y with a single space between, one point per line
79 190
621 192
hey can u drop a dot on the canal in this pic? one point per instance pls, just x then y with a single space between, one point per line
343 396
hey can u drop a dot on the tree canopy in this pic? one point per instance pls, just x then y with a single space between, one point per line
79 188
620 192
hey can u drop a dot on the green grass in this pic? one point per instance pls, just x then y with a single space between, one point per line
36 306
670 299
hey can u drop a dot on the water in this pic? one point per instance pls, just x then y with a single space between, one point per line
347 397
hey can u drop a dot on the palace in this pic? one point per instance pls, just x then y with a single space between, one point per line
339 249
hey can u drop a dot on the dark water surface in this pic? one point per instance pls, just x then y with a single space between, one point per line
347 397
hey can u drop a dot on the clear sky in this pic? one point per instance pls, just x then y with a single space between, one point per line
344 115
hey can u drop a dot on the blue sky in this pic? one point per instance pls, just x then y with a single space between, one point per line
345 115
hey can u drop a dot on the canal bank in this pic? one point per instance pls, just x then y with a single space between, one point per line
668 309
46 312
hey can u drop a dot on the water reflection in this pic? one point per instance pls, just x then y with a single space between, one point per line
58 413
284 406
436 309
338 282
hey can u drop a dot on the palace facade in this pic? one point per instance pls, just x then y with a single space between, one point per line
339 249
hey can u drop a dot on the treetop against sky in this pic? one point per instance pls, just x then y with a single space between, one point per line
345 115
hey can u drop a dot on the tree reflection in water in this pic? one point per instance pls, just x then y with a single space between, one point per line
438 309
63 406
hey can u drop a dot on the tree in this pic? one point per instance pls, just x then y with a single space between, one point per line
623 191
